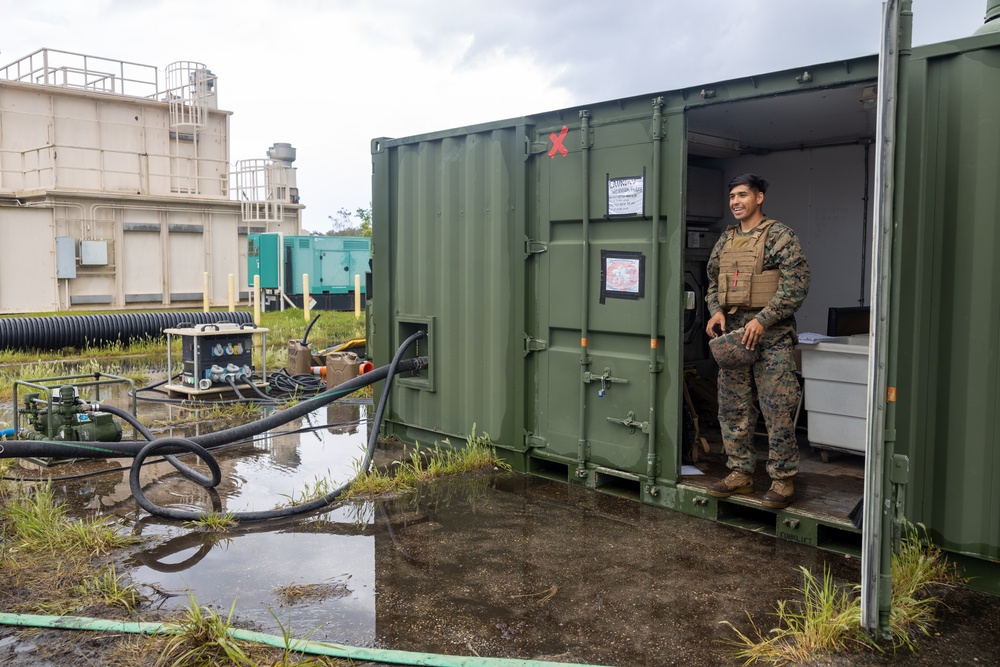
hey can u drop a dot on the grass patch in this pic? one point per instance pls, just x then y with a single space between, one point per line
202 638
111 588
295 593
47 560
220 412
47 369
828 618
35 523
428 464
214 521
319 487
917 567
332 328
422 466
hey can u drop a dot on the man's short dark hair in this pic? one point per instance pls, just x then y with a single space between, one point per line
752 181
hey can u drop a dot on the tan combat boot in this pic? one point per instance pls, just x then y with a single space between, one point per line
780 494
736 482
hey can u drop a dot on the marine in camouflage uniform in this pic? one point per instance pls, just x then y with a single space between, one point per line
771 380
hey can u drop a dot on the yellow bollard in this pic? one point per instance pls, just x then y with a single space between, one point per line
357 295
232 293
204 289
256 300
305 296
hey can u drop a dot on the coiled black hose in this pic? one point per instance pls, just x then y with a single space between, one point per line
54 333
299 383
185 515
191 474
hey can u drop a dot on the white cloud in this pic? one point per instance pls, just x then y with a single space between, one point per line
329 76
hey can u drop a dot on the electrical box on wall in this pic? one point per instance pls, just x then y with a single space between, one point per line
93 253
65 257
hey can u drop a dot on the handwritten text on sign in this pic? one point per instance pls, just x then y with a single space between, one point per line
626 195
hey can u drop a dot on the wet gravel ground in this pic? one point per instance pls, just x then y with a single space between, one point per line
508 565
498 564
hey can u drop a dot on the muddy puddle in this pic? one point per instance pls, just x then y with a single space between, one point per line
498 564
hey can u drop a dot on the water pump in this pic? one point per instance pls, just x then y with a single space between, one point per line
70 419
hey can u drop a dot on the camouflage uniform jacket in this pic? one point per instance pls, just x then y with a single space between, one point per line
793 285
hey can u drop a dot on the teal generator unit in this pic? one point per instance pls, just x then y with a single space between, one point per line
331 262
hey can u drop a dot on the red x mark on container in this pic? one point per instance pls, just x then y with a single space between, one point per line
557 143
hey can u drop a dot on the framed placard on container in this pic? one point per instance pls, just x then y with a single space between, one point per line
623 275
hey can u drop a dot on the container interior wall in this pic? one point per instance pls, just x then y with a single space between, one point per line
824 194
949 298
446 241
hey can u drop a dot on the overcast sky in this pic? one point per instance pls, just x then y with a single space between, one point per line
327 76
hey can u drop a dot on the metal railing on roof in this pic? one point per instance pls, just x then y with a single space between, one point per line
51 67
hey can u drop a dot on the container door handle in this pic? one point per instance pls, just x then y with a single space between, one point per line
630 423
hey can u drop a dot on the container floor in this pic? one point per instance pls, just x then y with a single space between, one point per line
831 487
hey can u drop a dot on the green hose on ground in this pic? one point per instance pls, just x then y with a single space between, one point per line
299 645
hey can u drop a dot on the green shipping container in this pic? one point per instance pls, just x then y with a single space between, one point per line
556 262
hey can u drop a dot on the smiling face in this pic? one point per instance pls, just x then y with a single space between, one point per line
745 203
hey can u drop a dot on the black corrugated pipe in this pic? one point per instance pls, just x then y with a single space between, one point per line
54 333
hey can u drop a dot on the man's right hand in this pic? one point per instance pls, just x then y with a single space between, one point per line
717 325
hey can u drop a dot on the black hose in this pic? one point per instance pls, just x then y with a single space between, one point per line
299 383
54 333
253 387
191 474
101 450
232 385
184 515
308 329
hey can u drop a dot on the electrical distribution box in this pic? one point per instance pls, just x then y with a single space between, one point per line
213 356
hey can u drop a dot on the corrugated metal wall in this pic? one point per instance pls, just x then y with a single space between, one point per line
948 285
449 266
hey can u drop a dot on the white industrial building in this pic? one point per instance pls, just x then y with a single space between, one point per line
116 190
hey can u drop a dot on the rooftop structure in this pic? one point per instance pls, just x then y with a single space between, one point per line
117 189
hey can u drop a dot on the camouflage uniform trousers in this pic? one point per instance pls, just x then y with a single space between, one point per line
772 381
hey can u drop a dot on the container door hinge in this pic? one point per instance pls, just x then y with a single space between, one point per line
630 423
534 147
899 476
900 472
533 248
533 345
532 441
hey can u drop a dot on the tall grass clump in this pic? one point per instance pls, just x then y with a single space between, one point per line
202 639
918 570
35 522
113 589
427 464
827 619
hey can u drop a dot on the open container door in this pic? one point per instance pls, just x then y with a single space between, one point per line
880 466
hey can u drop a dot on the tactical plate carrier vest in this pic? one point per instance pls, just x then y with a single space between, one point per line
743 282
